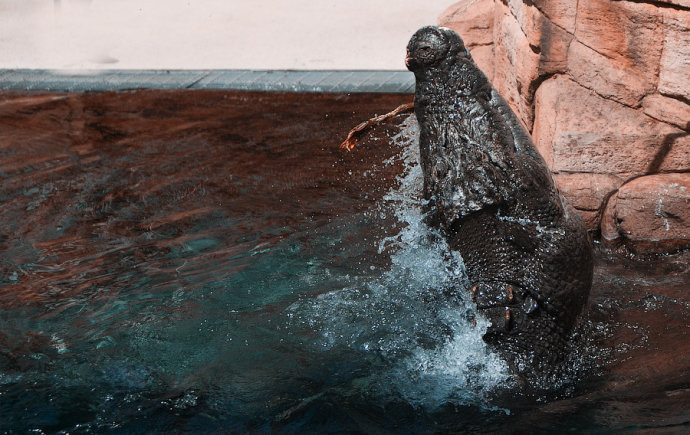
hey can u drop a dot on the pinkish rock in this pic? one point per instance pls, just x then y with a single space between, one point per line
518 9
592 219
472 20
554 43
515 64
634 40
579 131
674 76
606 76
618 50
668 110
609 225
684 3
547 109
631 32
651 209
532 21
586 193
561 13
483 56
545 38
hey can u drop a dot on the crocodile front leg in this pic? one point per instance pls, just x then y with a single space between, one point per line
507 306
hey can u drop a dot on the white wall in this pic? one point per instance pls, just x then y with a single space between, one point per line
206 34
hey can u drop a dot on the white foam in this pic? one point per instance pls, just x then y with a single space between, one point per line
415 317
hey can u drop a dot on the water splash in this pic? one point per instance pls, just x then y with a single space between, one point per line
414 322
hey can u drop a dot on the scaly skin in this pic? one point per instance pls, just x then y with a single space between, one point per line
526 251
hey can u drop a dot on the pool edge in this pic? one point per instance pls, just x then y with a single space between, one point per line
326 81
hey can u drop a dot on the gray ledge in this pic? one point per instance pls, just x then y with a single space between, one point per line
245 80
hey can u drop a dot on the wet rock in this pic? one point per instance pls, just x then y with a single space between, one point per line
652 212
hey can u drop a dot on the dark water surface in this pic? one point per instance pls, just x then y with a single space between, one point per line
211 261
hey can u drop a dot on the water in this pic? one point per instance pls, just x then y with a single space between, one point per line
422 344
212 262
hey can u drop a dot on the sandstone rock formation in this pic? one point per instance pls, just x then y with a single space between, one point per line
651 211
604 88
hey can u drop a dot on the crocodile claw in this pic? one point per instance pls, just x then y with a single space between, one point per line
503 304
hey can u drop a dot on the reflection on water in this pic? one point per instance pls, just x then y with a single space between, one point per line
211 261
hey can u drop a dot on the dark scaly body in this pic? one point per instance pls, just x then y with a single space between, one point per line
526 252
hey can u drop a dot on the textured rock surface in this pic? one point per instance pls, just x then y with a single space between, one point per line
604 88
595 71
618 50
651 210
516 65
473 19
587 192
674 75
584 133
668 110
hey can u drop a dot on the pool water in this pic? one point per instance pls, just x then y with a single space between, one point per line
212 261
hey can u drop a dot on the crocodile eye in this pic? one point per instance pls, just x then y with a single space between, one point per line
427 47
424 52
432 48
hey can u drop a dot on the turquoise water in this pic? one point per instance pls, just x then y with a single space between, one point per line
245 285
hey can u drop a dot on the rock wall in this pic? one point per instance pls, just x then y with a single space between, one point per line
604 88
